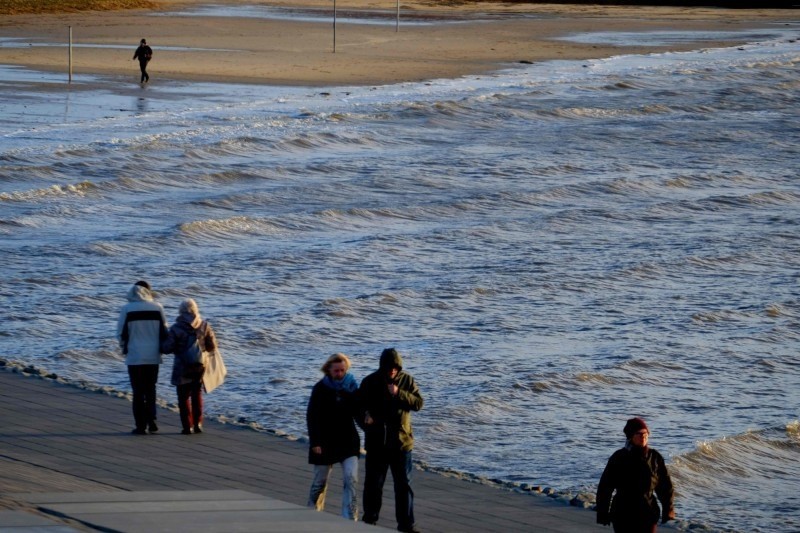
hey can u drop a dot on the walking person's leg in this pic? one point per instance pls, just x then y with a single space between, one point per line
402 467
319 487
150 378
374 477
137 386
350 488
184 407
197 406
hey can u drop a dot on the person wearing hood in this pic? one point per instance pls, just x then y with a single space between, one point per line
332 434
140 328
633 474
190 333
386 399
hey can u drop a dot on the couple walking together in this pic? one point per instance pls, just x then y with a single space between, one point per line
144 335
382 407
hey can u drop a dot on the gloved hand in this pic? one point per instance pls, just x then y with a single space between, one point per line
667 515
603 518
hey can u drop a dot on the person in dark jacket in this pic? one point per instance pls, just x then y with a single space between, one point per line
386 398
635 472
187 376
144 54
332 434
140 328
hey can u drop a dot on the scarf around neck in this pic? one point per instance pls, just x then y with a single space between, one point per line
347 384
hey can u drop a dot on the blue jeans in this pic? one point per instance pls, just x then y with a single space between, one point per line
378 462
319 487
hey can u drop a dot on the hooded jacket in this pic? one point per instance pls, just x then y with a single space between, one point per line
391 415
140 328
186 328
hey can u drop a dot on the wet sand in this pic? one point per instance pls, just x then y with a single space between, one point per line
433 41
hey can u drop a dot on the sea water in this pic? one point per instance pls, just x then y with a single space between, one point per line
553 248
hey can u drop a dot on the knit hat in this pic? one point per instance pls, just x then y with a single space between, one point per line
634 425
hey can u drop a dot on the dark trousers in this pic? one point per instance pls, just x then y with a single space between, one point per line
143 68
143 383
190 404
377 463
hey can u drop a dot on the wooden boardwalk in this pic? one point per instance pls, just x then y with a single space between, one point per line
68 452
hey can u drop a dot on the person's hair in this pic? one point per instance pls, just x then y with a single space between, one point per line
144 284
143 41
336 358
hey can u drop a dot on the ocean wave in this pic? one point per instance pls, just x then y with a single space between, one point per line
111 249
763 462
222 229
77 189
756 199
722 315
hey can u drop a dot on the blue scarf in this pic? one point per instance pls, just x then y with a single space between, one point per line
348 383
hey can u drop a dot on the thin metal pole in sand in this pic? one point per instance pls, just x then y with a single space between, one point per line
397 23
70 54
334 26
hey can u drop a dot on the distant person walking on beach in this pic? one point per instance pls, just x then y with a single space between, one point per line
635 472
191 339
140 328
332 434
144 54
386 399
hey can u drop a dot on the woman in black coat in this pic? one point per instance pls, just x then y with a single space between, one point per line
332 434
635 472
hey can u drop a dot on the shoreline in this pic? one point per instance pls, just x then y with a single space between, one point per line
59 456
580 500
565 497
246 47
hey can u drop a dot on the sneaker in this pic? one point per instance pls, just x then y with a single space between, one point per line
409 529
152 427
137 431
198 429
186 432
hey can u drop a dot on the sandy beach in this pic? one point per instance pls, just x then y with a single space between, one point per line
456 40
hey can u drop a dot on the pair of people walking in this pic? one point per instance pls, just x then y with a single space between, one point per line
382 407
144 336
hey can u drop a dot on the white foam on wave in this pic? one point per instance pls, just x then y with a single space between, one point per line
98 103
718 471
77 189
